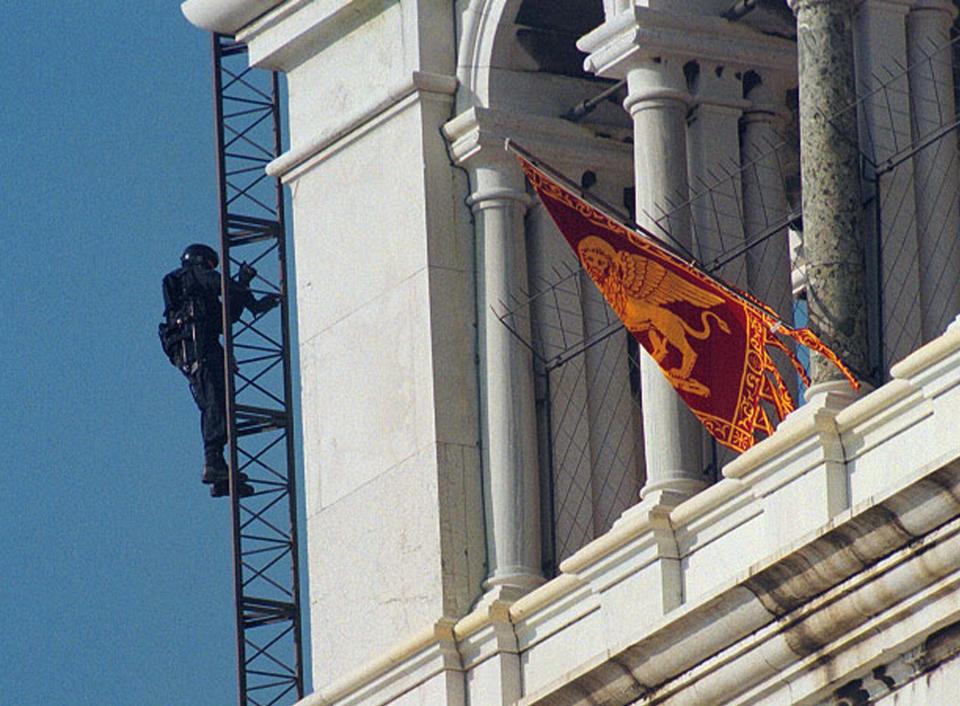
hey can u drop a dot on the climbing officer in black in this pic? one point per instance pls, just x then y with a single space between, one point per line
190 334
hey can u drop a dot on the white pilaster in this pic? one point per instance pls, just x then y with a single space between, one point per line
764 158
880 43
764 193
936 170
508 415
713 139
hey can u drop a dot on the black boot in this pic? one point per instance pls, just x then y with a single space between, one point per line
221 487
214 474
215 469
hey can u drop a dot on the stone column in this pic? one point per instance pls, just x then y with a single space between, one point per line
832 224
657 100
508 411
765 194
936 172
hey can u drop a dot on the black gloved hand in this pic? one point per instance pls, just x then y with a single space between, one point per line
247 273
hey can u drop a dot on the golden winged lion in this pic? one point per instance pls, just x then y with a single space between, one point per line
637 289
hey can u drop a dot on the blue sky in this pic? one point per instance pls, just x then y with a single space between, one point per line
116 580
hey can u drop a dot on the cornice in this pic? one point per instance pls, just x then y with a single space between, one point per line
641 34
285 37
777 613
936 6
838 5
225 16
288 165
477 137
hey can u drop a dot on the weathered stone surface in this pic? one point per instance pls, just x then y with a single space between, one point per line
832 221
936 169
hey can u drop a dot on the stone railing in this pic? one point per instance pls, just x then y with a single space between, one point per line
781 580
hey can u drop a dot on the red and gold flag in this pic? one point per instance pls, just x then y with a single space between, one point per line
711 341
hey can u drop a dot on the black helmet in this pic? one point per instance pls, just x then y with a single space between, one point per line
200 254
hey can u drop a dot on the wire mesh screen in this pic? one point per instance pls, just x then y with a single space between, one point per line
588 362
911 187
740 217
594 425
741 214
594 463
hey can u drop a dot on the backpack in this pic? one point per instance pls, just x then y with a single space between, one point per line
173 338
177 331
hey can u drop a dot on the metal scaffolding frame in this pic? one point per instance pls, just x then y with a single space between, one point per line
258 383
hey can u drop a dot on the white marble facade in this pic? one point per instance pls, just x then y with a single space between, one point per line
475 528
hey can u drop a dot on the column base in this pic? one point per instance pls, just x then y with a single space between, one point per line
835 394
516 583
672 490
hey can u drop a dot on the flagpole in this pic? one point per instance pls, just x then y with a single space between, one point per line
614 213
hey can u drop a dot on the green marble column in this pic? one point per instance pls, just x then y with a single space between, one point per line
833 238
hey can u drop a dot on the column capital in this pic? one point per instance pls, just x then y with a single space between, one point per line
840 5
719 87
477 139
935 6
764 114
899 7
767 99
655 97
640 35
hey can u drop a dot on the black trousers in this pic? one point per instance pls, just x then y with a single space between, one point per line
208 386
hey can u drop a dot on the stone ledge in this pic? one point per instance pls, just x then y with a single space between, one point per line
643 33
399 662
292 163
801 607
797 606
485 130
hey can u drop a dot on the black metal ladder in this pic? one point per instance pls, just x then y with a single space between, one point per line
259 389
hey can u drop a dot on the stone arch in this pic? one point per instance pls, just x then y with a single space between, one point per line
482 40
500 38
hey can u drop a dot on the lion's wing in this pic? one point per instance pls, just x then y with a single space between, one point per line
650 281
